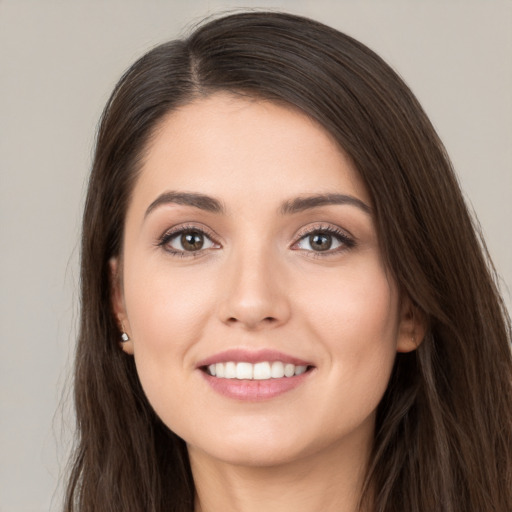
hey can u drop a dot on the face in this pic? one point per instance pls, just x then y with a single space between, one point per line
263 322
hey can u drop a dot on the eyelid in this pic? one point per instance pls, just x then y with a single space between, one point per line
174 231
346 238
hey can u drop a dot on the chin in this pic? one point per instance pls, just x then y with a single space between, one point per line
252 454
265 446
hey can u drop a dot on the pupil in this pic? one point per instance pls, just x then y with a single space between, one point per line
320 242
192 241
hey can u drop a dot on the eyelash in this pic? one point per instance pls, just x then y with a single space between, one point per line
347 242
174 232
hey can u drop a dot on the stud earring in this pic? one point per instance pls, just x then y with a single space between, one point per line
124 336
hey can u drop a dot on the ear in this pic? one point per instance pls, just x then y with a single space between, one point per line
412 328
118 305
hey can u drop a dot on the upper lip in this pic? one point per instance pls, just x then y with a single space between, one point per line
239 355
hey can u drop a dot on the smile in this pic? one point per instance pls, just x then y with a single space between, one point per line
254 375
264 370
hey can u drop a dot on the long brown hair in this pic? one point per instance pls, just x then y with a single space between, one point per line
443 437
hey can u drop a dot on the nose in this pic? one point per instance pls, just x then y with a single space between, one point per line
255 292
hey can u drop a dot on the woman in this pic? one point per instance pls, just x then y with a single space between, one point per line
285 304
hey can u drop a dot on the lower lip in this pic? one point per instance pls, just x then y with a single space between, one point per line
254 390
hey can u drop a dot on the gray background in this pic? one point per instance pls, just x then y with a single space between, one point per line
58 64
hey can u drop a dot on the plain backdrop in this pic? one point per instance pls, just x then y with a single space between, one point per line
58 64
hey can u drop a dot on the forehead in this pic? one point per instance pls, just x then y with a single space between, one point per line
244 150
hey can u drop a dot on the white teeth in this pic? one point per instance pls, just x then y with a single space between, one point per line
277 371
299 370
244 371
259 371
289 370
230 370
219 369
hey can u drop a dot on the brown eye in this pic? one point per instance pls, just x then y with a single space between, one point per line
192 241
187 241
320 241
327 240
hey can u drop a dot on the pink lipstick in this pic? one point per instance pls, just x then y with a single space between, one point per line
254 375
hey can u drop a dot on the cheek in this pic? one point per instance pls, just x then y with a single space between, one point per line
354 315
359 301
168 311
163 302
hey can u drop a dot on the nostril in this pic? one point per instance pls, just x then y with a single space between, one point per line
267 319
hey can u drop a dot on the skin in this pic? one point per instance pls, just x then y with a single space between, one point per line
259 284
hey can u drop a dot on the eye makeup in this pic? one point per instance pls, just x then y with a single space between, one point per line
322 237
192 240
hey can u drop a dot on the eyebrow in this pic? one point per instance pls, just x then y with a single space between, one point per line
297 205
201 201
301 204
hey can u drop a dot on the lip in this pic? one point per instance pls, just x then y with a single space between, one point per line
254 390
238 355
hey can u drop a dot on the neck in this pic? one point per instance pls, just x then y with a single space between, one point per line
323 482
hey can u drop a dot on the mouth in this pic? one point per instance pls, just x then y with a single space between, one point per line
263 370
253 376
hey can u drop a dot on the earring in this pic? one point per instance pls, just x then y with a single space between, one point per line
125 337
